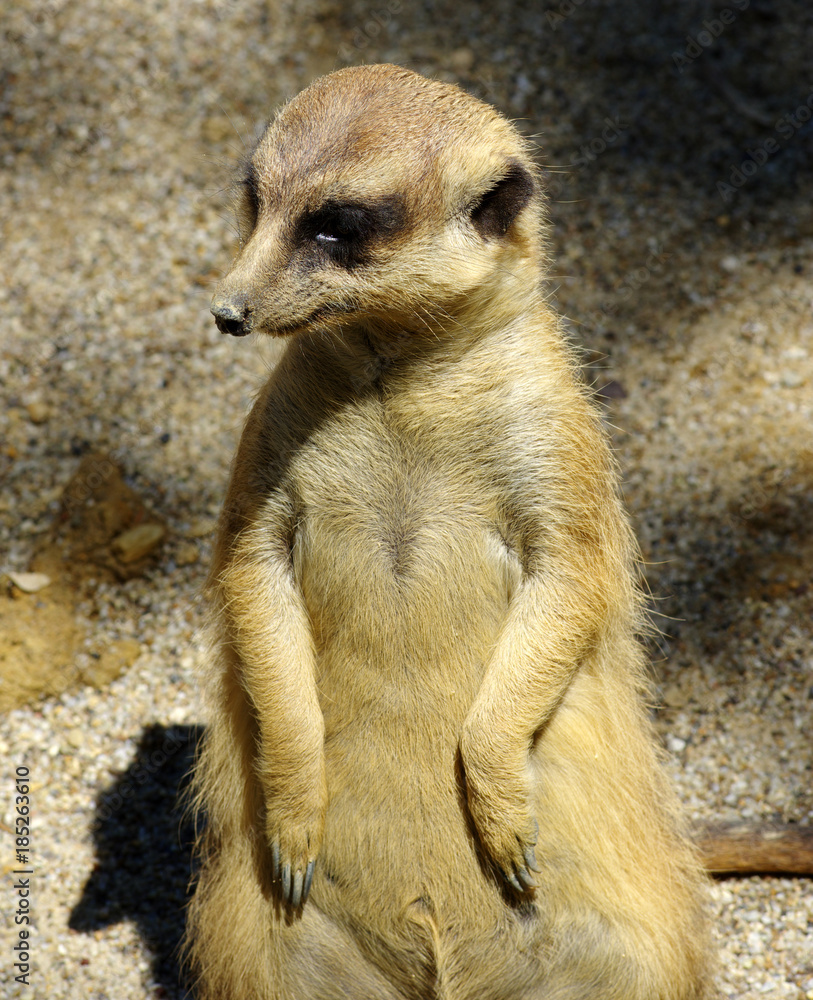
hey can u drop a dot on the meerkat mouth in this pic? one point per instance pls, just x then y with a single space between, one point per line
307 323
242 325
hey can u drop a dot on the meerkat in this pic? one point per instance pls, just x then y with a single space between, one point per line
429 772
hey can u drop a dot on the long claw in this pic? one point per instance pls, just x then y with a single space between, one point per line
275 859
530 858
513 881
286 882
296 891
526 878
306 888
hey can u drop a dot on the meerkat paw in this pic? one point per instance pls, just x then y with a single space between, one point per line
508 838
294 841
507 832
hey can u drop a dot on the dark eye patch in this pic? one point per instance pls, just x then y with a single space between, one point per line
347 230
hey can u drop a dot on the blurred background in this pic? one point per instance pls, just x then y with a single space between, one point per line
677 143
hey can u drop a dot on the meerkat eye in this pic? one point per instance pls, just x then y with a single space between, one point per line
340 230
345 231
334 229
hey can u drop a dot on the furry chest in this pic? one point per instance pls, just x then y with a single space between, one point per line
407 552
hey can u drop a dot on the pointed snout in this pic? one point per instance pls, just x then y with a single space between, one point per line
232 314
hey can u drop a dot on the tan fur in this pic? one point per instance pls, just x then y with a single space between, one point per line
424 597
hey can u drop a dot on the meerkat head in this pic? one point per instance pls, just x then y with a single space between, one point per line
380 199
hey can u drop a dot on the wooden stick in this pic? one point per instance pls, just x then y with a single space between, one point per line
756 849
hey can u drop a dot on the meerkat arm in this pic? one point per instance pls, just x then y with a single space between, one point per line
551 624
270 632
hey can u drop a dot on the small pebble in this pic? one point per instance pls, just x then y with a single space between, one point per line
29 583
138 542
187 554
38 411
75 737
461 59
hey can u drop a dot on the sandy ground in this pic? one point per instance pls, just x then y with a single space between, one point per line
677 141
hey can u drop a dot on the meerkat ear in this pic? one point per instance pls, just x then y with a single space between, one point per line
500 205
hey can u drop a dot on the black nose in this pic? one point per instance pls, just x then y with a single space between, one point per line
232 316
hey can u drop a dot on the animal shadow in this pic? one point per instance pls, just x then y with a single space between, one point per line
144 858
